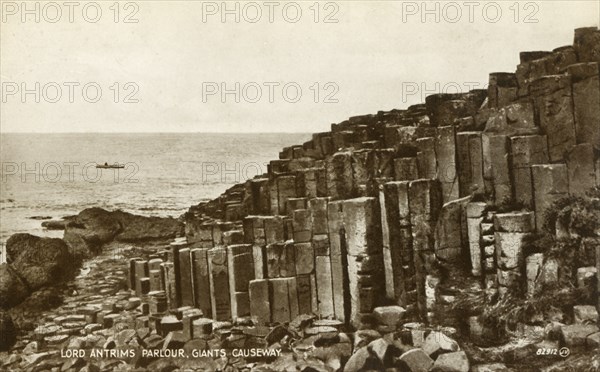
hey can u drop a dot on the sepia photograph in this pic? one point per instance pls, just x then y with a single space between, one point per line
300 186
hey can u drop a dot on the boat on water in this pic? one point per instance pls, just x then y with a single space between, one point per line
110 166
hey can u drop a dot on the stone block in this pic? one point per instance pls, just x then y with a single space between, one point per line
141 271
320 244
425 202
155 280
509 249
586 275
185 277
340 184
240 304
144 285
202 327
502 89
516 119
449 229
586 101
273 196
260 304
311 182
317 208
337 249
533 267
240 268
294 204
304 258
406 169
474 214
587 44
581 169
233 237
219 284
324 286
259 191
131 272
286 188
167 271
284 299
218 229
585 314
514 222
526 151
307 294
553 99
254 229
365 276
281 260
389 315
362 226
455 361
426 161
576 334
550 183
496 166
273 230
416 360
198 232
302 226
259 259
469 158
445 150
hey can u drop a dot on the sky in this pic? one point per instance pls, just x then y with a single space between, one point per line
203 66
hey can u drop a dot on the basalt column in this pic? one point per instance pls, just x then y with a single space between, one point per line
425 201
398 253
362 223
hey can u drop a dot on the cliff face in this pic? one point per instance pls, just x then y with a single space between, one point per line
398 195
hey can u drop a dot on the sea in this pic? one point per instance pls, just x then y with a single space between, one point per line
50 176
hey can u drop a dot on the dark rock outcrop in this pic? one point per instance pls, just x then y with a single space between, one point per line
12 288
8 333
39 261
89 230
33 263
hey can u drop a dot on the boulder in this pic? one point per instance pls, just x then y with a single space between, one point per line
91 228
142 228
39 261
362 360
56 224
452 362
593 340
585 314
12 289
415 360
576 334
384 351
8 332
438 343
389 315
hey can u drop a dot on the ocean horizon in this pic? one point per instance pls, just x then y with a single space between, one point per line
53 175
